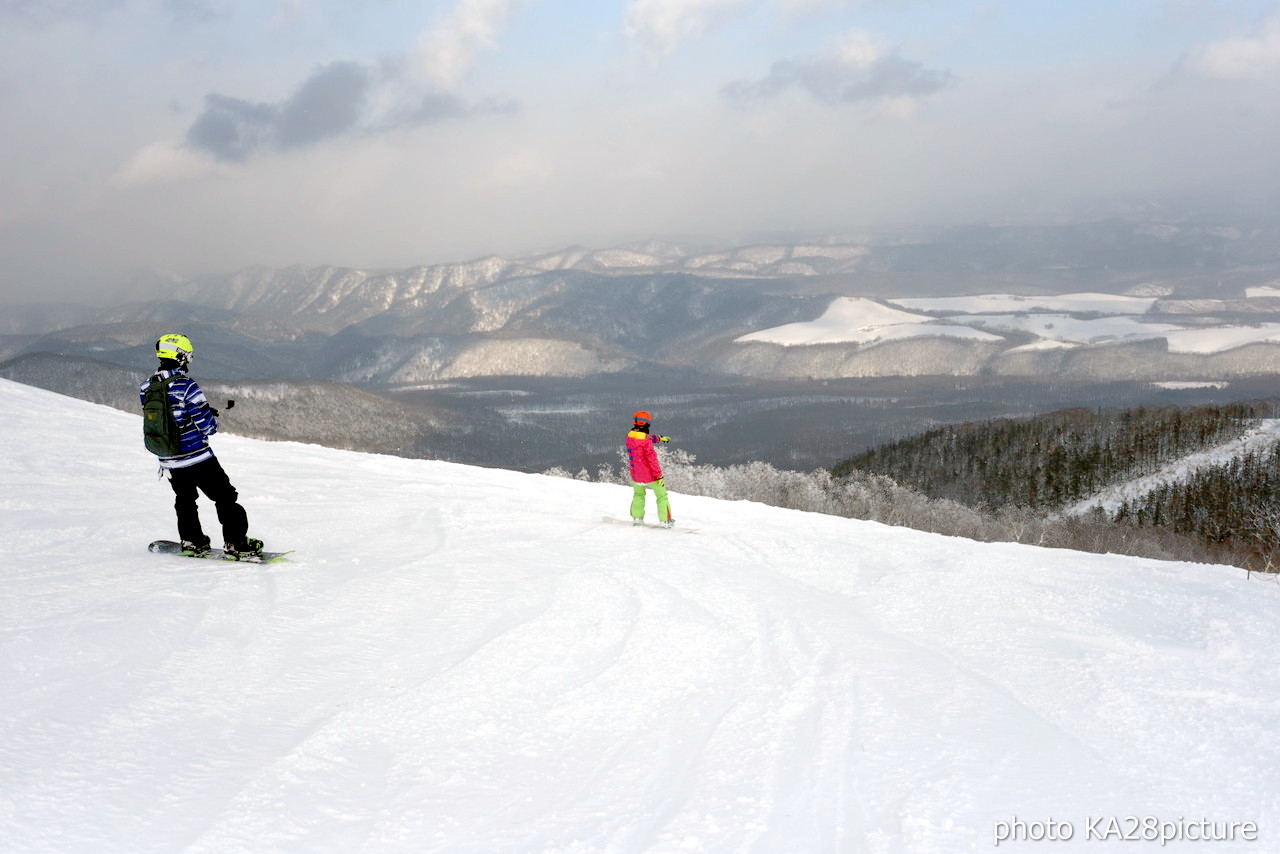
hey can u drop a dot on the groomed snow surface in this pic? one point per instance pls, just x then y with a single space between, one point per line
469 661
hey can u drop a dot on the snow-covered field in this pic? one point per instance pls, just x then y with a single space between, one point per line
1219 339
1069 330
1262 292
469 660
1176 385
1012 303
1108 319
858 320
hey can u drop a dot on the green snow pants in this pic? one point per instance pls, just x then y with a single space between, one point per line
659 492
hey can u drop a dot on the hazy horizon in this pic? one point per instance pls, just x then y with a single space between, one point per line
203 136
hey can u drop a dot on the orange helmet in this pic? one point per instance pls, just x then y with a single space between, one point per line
643 417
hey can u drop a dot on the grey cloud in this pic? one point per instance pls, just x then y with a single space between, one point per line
833 83
437 107
232 129
441 106
329 103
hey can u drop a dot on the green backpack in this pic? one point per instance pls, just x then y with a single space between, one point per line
160 431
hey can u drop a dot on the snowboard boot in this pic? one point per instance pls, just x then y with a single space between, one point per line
637 523
669 523
248 548
194 549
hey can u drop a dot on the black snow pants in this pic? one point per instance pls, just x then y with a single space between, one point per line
209 478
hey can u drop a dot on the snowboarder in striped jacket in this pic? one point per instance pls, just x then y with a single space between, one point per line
646 471
188 459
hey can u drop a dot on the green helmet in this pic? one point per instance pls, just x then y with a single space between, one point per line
175 346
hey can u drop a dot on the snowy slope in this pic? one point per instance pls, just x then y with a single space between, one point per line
1259 439
861 321
468 661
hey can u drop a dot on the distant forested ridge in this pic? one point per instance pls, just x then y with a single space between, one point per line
1048 461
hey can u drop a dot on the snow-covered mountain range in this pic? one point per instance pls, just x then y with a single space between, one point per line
1105 301
469 660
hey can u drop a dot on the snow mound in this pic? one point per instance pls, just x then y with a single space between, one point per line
859 320
468 661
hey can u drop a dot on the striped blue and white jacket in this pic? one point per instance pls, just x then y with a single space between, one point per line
193 416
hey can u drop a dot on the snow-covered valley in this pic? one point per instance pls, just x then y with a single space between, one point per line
469 660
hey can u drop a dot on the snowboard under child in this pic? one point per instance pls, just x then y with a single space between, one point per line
646 471
190 463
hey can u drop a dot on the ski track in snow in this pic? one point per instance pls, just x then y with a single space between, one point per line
468 661
1260 438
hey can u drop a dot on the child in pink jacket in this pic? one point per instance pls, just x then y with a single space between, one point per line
646 472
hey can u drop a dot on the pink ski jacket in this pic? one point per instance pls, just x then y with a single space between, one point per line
643 457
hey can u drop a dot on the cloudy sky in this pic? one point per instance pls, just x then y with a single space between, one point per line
206 135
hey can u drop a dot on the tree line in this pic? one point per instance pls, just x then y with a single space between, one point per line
1048 461
1234 506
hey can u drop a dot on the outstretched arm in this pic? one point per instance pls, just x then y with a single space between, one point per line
651 453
